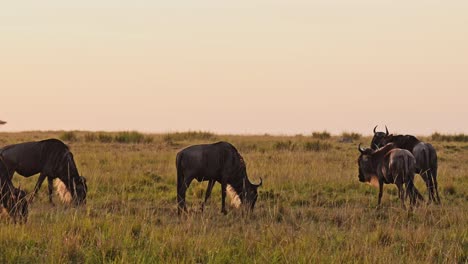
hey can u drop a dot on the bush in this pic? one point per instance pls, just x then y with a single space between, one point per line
132 137
317 146
350 137
284 145
104 138
456 138
321 135
190 135
69 136
90 137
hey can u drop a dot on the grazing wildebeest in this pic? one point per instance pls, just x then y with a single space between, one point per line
425 154
52 159
12 199
389 165
218 162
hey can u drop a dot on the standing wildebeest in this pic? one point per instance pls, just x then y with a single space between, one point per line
425 154
389 165
52 159
11 198
218 162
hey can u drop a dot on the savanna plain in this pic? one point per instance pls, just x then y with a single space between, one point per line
311 207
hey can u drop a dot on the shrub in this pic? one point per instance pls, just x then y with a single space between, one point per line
317 146
321 135
456 138
132 137
284 145
449 189
190 135
90 137
69 136
350 137
104 138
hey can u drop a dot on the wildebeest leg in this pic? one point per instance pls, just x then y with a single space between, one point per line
411 191
431 186
50 185
41 179
182 185
223 196
433 174
428 185
380 192
401 195
208 193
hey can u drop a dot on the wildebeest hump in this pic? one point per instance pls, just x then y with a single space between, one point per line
26 158
204 162
32 157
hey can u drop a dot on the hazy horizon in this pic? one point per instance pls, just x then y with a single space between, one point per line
244 67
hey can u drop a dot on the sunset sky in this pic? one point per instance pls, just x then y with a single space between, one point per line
257 66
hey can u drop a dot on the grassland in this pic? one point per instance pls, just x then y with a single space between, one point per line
311 208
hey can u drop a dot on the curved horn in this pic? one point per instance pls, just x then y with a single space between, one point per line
261 182
360 149
375 129
386 129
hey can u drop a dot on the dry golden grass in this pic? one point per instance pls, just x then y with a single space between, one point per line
311 208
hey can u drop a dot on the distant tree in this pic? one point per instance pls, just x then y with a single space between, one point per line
2 122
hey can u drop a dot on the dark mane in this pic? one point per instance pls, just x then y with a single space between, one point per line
239 186
62 159
404 141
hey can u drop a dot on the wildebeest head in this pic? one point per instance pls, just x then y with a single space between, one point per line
75 184
18 205
81 188
378 139
366 166
251 194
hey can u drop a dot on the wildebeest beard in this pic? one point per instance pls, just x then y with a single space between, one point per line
242 187
70 181
239 185
245 190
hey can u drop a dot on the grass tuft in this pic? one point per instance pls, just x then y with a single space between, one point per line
69 136
132 137
449 138
321 135
284 145
190 135
317 146
350 137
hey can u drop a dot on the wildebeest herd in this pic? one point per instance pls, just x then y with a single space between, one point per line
391 159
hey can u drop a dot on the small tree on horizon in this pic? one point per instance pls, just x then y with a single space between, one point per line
2 122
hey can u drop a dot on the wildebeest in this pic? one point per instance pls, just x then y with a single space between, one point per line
425 154
218 162
12 199
389 165
52 159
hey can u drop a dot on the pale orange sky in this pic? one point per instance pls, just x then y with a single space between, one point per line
257 66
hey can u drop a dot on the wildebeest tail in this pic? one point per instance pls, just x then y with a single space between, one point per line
432 159
425 158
